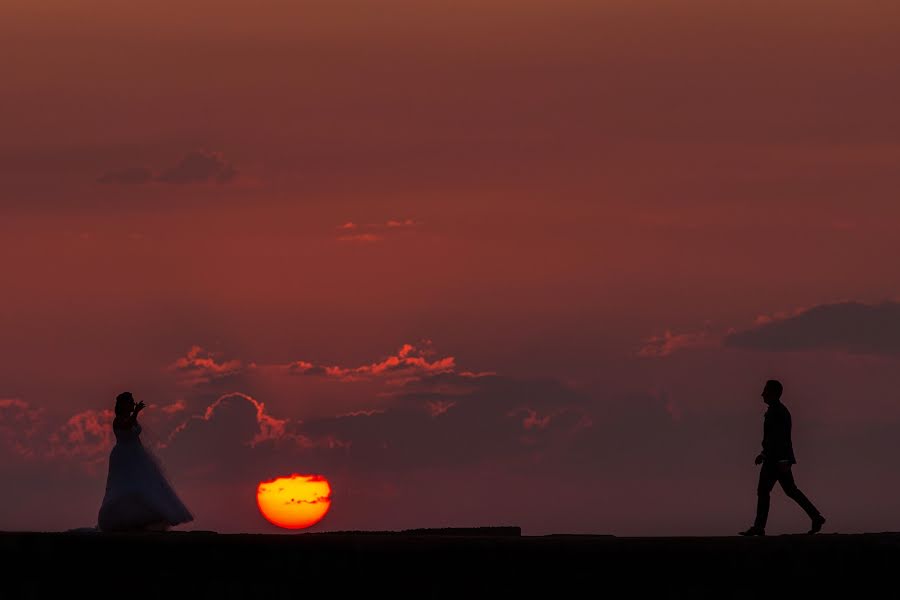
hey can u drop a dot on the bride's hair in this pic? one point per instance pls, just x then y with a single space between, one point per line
123 404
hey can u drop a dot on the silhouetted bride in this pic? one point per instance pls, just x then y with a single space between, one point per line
138 496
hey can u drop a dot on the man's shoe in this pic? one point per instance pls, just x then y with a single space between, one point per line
817 523
753 531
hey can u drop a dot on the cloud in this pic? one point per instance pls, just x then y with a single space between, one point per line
199 166
434 418
128 176
86 436
668 342
777 316
200 366
438 423
445 420
234 439
531 419
218 458
428 413
409 363
174 407
373 232
395 223
243 417
438 407
18 424
852 327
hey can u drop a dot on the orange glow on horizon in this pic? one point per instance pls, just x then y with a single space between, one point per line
294 502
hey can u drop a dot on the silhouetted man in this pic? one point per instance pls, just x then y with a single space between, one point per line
776 457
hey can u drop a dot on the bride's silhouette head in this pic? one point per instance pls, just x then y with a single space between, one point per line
124 404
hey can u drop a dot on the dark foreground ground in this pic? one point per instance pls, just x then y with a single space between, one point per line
485 563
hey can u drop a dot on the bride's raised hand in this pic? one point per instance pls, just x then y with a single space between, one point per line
139 407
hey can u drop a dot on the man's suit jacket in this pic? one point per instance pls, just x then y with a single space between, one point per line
776 442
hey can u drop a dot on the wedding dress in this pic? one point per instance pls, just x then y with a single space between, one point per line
138 495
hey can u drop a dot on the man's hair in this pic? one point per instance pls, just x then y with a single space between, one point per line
123 402
775 386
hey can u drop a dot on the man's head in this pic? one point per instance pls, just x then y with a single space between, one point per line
772 391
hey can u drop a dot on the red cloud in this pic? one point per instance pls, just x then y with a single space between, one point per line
668 342
373 232
267 426
851 327
175 407
408 364
87 436
778 316
198 166
18 423
438 407
401 223
200 366
531 420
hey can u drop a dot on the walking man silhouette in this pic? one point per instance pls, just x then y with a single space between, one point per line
776 458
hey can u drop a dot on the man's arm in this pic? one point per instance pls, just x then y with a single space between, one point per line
765 441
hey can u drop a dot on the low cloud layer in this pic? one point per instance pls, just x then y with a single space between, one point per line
410 362
430 413
669 342
19 422
448 420
201 366
852 327
374 232
198 166
421 429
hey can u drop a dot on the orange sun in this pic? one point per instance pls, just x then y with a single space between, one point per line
294 502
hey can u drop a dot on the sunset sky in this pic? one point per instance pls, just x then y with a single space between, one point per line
484 262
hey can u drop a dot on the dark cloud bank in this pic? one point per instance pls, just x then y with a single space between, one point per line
196 167
848 326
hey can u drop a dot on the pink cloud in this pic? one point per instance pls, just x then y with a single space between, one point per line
401 223
86 436
18 411
668 343
200 366
531 419
175 407
408 364
268 427
18 424
373 232
362 413
477 375
849 327
777 316
328 442
437 408
199 166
